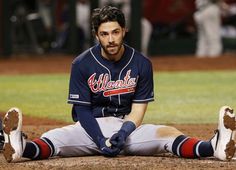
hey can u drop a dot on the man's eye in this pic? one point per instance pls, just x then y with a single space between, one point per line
103 34
116 32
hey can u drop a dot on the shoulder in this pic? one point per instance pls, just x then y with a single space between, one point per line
141 59
137 56
82 58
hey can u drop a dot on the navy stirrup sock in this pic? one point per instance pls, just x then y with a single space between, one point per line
191 147
39 149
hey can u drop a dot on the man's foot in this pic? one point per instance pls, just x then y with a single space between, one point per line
234 138
223 143
14 141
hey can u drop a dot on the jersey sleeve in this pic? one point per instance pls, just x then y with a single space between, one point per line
79 92
144 90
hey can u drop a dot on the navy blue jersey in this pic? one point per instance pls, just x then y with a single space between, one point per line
110 87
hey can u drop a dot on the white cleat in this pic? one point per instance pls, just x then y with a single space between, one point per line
234 137
14 141
223 143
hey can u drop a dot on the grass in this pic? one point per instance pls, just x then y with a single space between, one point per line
180 97
191 97
36 95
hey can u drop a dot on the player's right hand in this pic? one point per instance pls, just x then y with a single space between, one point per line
106 150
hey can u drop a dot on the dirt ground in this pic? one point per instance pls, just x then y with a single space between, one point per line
33 127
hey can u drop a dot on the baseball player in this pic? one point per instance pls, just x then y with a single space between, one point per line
110 87
208 21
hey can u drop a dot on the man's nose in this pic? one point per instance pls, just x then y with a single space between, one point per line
111 39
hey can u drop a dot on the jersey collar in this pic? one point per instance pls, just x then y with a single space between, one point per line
96 50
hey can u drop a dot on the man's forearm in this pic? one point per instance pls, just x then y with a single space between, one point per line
89 123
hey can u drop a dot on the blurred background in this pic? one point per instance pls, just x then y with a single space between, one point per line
156 27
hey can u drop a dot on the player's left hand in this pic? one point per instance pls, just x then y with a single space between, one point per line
118 139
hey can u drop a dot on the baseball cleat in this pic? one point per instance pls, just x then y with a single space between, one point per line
14 141
223 142
234 137
1 140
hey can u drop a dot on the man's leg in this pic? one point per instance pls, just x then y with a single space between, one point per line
202 45
221 146
223 142
189 147
15 145
67 141
156 139
40 148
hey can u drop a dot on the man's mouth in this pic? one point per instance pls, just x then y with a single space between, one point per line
111 46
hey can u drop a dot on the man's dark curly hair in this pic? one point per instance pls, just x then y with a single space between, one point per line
106 14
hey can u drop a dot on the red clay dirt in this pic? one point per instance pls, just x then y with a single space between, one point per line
34 127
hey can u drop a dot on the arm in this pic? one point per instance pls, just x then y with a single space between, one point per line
88 122
80 96
143 94
137 113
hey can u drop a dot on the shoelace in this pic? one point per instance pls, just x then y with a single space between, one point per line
24 135
2 137
1 140
217 138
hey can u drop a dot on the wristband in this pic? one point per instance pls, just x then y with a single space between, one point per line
128 127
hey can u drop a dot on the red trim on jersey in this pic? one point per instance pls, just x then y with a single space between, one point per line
187 148
118 91
45 150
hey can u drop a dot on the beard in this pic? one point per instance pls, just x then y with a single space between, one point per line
111 49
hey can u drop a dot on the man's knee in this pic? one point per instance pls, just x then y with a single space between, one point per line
168 131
